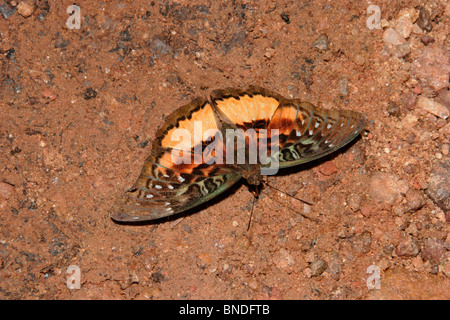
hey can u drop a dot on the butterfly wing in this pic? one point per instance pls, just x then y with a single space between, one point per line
144 204
185 168
306 133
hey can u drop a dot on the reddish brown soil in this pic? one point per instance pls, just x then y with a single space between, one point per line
79 109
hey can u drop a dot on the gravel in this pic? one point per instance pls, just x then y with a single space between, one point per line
433 250
432 67
408 247
433 107
387 188
318 267
439 184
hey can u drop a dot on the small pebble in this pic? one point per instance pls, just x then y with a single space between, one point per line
269 53
384 23
253 284
433 250
387 188
404 23
6 190
308 210
415 200
417 90
432 67
445 149
328 168
395 44
433 107
408 247
391 36
368 210
354 202
153 293
361 243
318 267
322 43
439 184
412 229
401 51
283 259
408 101
25 9
424 21
310 256
393 109
426 40
7 10
343 87
408 169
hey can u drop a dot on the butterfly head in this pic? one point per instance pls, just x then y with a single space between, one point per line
253 176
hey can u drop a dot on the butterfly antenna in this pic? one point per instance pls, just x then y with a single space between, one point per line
301 200
255 196
251 213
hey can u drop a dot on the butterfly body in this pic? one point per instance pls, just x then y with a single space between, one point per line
206 146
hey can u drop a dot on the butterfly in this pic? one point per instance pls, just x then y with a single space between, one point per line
206 146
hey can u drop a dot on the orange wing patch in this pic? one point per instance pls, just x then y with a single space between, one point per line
246 108
192 129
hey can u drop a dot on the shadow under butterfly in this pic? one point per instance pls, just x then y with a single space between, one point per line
181 174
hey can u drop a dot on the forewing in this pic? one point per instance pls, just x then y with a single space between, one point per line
182 171
247 109
306 133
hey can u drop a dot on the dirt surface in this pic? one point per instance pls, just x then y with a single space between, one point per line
79 109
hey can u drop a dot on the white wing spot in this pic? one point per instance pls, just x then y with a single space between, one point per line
157 186
342 125
326 141
329 126
167 203
316 125
311 132
298 133
170 187
181 179
330 145
165 176
149 196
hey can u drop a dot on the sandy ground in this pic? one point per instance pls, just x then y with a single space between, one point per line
79 109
